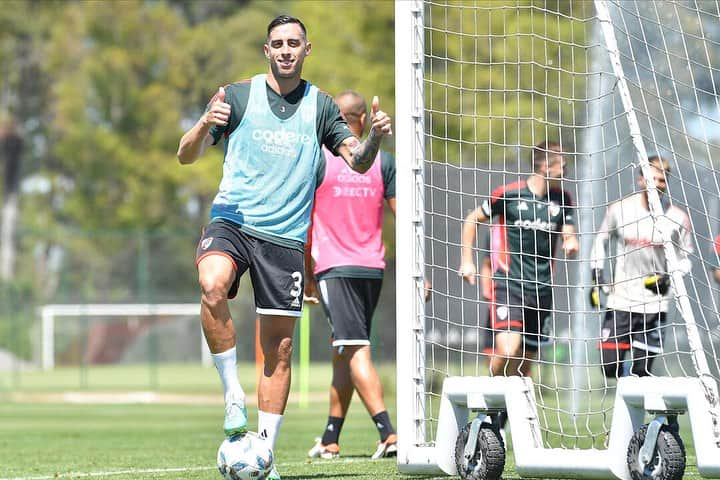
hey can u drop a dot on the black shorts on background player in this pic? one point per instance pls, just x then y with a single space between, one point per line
526 312
630 331
349 304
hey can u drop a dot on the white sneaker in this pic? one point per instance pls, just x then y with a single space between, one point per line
388 448
328 452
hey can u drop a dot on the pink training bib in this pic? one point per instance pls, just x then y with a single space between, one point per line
347 217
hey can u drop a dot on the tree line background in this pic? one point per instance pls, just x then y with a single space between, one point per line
95 97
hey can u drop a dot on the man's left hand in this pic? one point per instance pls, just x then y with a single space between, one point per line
381 123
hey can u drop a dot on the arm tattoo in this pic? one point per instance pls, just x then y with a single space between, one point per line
364 153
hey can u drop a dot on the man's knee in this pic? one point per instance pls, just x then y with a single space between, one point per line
278 350
509 345
214 289
285 348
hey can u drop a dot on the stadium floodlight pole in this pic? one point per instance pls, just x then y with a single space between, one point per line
681 296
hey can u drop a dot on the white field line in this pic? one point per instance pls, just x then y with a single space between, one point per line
170 470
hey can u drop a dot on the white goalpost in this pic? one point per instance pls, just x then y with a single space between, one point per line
614 83
51 314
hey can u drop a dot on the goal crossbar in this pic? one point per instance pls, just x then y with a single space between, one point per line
49 313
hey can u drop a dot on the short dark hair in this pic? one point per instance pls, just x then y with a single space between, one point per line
542 150
282 20
658 162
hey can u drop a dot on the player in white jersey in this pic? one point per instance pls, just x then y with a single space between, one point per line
639 287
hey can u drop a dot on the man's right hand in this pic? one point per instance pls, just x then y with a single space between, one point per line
311 293
219 112
467 271
598 282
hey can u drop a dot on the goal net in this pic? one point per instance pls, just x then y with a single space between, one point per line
614 83
73 335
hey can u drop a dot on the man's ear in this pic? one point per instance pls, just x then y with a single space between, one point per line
363 118
266 51
308 47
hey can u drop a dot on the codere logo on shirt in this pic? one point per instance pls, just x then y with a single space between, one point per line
280 142
536 224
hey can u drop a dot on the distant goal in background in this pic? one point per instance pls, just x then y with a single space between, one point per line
478 83
92 334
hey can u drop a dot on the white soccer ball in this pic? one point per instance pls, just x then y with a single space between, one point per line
245 457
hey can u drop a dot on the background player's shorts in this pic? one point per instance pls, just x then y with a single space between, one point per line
524 312
349 304
487 334
625 330
276 272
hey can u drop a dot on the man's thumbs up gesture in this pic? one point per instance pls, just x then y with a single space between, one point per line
381 124
219 111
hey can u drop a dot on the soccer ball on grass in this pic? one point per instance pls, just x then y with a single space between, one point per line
245 457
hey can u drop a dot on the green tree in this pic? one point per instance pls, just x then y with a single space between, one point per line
503 74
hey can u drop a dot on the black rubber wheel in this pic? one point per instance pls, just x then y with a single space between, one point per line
488 462
668 461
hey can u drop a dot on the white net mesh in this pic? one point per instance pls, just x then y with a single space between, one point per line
81 335
501 77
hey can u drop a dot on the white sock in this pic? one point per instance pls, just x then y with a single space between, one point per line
226 364
268 426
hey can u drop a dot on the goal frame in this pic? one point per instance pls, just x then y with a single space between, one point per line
412 456
635 397
50 313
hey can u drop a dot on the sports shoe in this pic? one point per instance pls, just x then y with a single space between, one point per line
273 475
327 452
388 448
235 415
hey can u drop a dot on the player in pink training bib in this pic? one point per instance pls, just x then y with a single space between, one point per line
345 274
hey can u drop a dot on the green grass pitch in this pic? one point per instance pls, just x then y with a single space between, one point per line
42 438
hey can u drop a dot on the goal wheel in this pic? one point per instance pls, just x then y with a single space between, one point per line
668 458
488 462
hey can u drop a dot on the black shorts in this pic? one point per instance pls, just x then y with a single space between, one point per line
276 272
625 330
349 304
525 312
486 332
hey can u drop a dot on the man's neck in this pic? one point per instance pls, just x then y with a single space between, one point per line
537 185
283 86
356 129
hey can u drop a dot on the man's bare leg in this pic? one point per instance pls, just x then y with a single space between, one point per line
365 378
341 388
276 333
369 388
216 273
507 358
